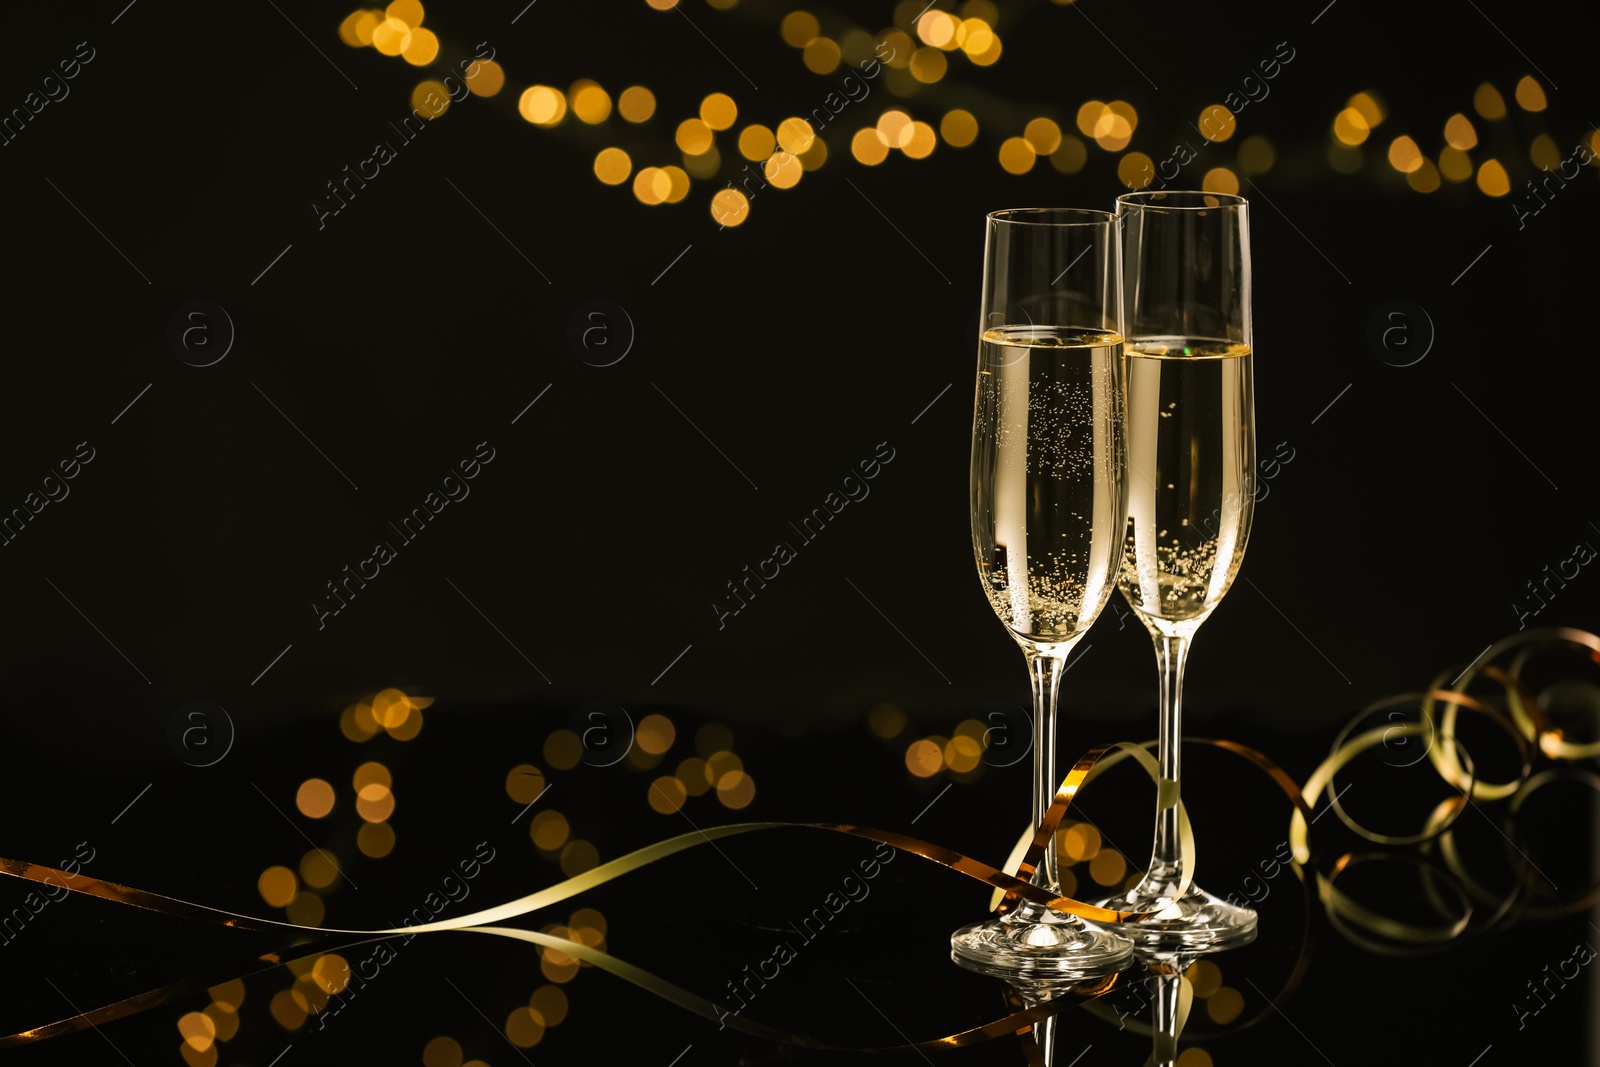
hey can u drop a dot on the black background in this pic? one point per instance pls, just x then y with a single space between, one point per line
414 326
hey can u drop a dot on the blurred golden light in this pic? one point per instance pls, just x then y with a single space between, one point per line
356 29
558 966
331 972
636 104
612 167
1043 135
1404 155
442 1052
924 758
989 56
1530 96
895 128
562 749
729 207
655 734
549 1003
1217 123
590 103
319 869
314 798
1071 156
1224 1005
375 839
718 111
959 128
198 1030
692 773
1135 170
277 886
1544 153
1204 976
976 36
286 1012
577 857
375 802
1369 107
981 9
921 141
821 55
486 78
868 147
525 782
795 135
549 830
1425 178
1488 102
1016 155
542 105
411 727
928 65
1108 867
225 1017
711 738
756 143
666 795
937 28
305 910
815 156
1194 1057
359 727
1089 116
1455 165
961 754
1080 842
677 183
693 136
407 11
230 993
722 764
662 5
736 790
1256 155
523 1027
1113 131
1492 178
900 46
1126 111
390 708
421 49
370 772
1350 127
432 99
798 28
1458 132
391 37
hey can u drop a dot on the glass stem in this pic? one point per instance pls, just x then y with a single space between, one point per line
1045 672
1164 1028
1166 862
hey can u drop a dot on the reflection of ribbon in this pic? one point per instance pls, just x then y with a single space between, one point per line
1526 725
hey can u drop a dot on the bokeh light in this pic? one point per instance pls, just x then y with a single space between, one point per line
1492 178
1135 170
925 758
1016 156
612 166
589 102
1404 155
719 111
959 128
277 886
542 105
868 147
1351 127
1530 95
1043 135
729 207
1256 155
756 143
485 78
314 798
1488 103
799 28
821 55
636 104
1458 132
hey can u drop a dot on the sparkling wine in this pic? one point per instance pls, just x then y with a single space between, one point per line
1191 454
1048 486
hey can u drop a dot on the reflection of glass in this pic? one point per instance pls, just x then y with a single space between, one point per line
1191 456
1049 495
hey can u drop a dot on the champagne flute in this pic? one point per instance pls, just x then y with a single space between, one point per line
1191 456
1049 496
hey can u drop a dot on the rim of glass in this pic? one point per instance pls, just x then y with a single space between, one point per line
1052 216
1181 200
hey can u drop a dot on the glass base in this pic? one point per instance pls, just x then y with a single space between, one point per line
1035 942
1195 922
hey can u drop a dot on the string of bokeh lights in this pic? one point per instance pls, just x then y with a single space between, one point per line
923 46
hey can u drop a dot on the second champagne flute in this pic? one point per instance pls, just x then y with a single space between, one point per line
1191 494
